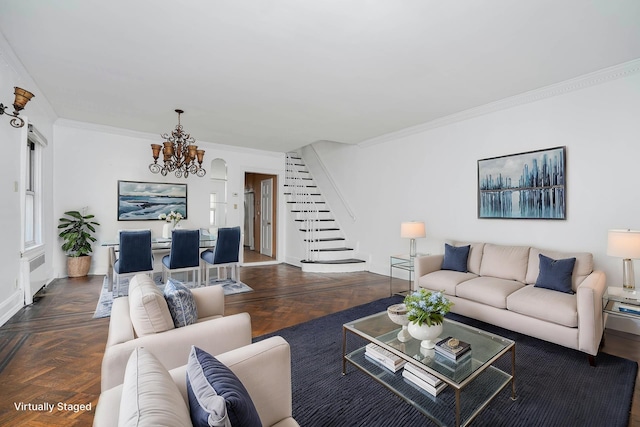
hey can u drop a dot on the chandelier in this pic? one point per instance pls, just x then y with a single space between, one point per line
179 154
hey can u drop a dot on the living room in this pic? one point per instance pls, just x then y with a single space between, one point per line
422 172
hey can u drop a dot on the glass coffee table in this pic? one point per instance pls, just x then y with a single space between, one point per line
470 385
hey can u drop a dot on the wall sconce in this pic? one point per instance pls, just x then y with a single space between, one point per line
22 97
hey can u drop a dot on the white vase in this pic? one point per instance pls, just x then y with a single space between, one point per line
166 231
426 334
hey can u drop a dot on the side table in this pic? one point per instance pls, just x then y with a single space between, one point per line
620 302
402 262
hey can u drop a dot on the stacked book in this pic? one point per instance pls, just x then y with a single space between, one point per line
384 357
423 379
453 349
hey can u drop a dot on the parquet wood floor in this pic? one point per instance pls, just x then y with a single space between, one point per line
51 351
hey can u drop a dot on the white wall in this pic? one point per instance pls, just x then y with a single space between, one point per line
90 160
432 176
13 142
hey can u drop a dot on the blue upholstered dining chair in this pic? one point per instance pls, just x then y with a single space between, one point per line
184 255
225 254
135 256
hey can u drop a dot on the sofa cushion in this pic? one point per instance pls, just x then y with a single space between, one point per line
583 267
455 258
150 397
147 307
216 395
444 280
555 274
545 304
475 255
488 290
505 262
182 305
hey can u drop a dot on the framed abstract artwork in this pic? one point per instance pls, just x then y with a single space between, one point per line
139 201
527 185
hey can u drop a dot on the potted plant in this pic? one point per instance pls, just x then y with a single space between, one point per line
77 233
425 311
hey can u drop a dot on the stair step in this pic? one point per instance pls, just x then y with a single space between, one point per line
306 211
310 194
336 261
296 170
320 229
325 239
319 219
302 186
307 203
331 249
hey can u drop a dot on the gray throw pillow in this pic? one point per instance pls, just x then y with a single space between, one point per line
181 303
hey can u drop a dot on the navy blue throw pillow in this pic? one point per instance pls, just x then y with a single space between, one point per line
216 395
455 258
555 274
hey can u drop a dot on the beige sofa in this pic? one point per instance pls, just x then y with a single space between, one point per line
499 289
264 368
142 319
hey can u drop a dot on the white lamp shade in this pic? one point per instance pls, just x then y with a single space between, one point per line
412 230
624 244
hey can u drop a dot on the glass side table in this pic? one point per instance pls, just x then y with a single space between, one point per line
402 262
621 302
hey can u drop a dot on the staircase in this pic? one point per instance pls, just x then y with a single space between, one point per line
325 245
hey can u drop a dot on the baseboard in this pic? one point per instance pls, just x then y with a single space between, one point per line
11 306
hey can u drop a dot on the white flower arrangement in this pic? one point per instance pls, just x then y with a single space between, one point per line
173 217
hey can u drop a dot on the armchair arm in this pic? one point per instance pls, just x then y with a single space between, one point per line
424 265
209 301
264 368
120 326
590 323
172 347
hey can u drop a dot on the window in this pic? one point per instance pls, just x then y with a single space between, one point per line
33 188
30 196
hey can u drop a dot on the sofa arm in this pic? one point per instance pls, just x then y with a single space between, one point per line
264 368
424 265
590 322
209 301
172 347
120 326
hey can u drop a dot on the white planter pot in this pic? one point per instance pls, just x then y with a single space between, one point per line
426 334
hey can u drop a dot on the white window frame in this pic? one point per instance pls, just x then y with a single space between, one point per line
36 191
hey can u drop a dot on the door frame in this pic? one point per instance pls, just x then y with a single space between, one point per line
280 217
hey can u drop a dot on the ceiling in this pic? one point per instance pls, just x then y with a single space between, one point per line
280 74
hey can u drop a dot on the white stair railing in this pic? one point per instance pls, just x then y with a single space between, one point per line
302 197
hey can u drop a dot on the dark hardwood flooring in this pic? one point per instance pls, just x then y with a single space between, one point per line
51 351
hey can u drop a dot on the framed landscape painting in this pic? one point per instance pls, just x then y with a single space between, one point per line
527 185
139 201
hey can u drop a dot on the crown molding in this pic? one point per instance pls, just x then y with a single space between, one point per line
578 83
155 138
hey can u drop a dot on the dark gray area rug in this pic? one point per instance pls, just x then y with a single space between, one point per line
556 386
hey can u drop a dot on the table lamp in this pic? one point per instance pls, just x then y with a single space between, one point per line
412 230
625 244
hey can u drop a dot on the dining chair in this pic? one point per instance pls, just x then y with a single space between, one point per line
225 254
135 257
183 256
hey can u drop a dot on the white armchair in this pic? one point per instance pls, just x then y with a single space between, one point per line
142 319
264 368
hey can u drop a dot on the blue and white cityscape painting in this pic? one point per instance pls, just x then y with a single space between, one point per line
526 185
147 200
